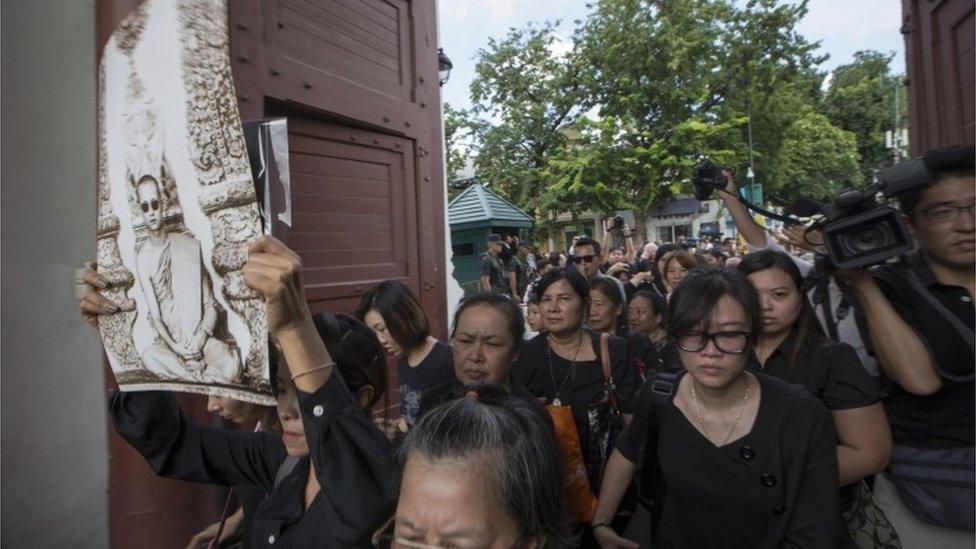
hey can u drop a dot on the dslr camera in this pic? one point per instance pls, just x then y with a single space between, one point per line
708 178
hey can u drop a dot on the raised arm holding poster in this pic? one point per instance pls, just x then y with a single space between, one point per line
177 208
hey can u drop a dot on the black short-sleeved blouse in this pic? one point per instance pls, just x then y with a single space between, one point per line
829 369
352 460
774 487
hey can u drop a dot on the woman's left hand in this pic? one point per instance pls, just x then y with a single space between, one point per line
275 272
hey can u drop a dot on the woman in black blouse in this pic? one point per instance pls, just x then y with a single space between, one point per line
486 335
398 320
733 459
792 347
563 366
329 475
645 320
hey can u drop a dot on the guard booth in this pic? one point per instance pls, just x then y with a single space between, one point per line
473 215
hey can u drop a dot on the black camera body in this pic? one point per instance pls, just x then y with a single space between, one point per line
860 232
619 223
707 178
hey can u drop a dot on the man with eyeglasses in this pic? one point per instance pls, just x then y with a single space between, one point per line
178 293
588 259
920 318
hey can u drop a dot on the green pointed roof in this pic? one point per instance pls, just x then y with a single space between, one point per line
479 207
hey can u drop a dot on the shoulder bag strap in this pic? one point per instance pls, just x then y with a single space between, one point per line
652 478
610 386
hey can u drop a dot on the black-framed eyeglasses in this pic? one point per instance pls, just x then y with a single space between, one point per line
947 212
732 342
154 204
584 259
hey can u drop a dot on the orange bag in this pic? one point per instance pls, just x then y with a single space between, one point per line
580 501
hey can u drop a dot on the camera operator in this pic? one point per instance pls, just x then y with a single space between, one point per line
617 254
920 318
833 308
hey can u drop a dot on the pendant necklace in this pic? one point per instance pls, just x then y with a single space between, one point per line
570 372
738 415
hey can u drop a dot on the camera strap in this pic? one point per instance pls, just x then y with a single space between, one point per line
967 335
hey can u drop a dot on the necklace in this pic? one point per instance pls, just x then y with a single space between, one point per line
738 414
570 372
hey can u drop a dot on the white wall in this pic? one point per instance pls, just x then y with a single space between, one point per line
53 444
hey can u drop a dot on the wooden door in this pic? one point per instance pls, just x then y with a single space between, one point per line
940 40
358 81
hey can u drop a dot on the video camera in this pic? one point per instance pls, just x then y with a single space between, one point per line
857 231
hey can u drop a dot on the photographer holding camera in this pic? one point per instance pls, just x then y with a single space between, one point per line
617 254
920 318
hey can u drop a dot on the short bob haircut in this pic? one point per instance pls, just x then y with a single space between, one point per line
694 299
684 258
401 312
575 278
514 443
501 303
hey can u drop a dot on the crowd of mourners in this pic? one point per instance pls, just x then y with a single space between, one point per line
692 394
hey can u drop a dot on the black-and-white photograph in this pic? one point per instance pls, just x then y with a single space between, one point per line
177 208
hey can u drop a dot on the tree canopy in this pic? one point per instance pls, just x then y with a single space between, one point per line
618 115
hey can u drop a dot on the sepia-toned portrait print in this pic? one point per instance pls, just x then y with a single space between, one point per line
177 208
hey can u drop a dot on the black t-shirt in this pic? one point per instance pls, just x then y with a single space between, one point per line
436 368
496 270
829 369
774 487
943 419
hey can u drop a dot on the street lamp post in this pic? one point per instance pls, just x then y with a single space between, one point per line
444 66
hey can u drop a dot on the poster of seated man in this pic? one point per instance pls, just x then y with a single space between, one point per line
177 208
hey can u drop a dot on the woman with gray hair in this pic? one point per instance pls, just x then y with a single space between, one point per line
482 471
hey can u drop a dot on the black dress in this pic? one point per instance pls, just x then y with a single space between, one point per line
582 388
352 459
774 487
436 368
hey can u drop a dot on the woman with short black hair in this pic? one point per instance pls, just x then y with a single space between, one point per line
487 333
730 458
607 308
482 471
398 320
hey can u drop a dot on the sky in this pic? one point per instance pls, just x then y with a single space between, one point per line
842 26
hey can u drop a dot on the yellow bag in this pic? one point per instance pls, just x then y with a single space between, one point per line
580 501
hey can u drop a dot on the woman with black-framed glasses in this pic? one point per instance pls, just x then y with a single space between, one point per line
730 458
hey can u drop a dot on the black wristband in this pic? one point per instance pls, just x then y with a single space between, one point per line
595 525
